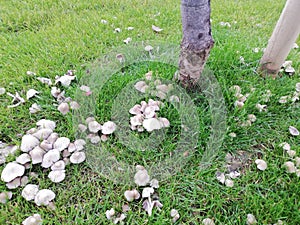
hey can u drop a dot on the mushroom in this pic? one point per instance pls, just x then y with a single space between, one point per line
290 167
61 143
34 108
164 122
2 90
297 161
154 183
65 80
37 155
148 205
108 127
43 123
148 48
104 138
120 218
4 196
44 197
33 220
175 215
251 219
94 138
147 192
31 93
90 119
46 145
29 192
74 105
50 158
298 87
110 213
156 29
43 133
11 171
71 147
135 110
149 112
23 158
57 176
14 183
261 107
28 142
52 138
208 221
229 183
131 195
261 164
63 108
45 80
252 117
94 126
79 144
174 98
293 131
220 177
82 128
77 157
59 165
151 124
24 181
141 86
136 120
141 178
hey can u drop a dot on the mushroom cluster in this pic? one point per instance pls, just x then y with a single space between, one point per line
293 165
240 98
145 116
35 219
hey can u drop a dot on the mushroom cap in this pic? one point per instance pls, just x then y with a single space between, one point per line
33 220
4 196
63 108
151 124
147 192
48 124
154 183
14 183
141 86
23 158
220 177
131 195
43 133
11 171
110 213
79 144
46 145
28 142
57 176
229 183
149 111
164 122
294 131
74 105
29 192
59 165
94 138
261 164
36 155
31 93
44 197
136 120
208 221
173 212
50 158
65 80
61 143
94 126
77 157
290 166
82 128
108 127
251 219
141 178
72 147
148 48
136 109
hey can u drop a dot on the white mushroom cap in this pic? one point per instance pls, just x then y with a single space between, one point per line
57 176
147 192
94 126
31 93
66 153
72 147
120 218
29 192
229 183
164 122
74 105
82 128
290 167
136 109
136 120
63 108
110 213
4 196
294 131
46 145
131 195
251 219
33 220
90 119
164 88
94 138
23 158
208 221
220 177
141 178
79 144
141 86
36 155
77 157
43 123
52 138
154 183
151 124
148 48
59 165
28 142
261 164
65 80
14 183
43 133
61 143
44 197
104 138
50 158
149 112
11 171
108 127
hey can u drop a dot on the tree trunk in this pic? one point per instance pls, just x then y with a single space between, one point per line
197 40
282 39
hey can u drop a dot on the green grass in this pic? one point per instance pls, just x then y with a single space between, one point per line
51 37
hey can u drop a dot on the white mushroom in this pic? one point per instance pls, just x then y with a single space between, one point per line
261 164
298 87
24 180
156 29
104 138
94 126
120 218
175 215
164 122
77 157
297 161
208 221
94 138
23 158
14 183
149 112
74 105
50 158
82 128
44 197
151 124
28 143
141 178
63 108
136 120
43 133
290 167
90 119
31 93
108 127
136 109
252 117
36 219
293 131
79 144
291 153
46 145
34 108
110 213
2 90
154 183
131 195
147 192
261 107
45 80
65 80
4 196
220 177
48 124
57 176
61 143
148 48
141 86
251 219
29 192
59 165
229 183
11 171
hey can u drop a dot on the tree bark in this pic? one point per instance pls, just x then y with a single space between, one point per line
284 35
197 40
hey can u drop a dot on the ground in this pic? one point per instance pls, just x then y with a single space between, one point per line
51 37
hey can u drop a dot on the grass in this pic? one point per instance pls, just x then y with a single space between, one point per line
51 37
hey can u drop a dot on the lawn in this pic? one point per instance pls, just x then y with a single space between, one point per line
52 37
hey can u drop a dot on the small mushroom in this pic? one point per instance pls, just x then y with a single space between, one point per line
94 126
261 164
141 178
261 107
57 176
34 108
11 171
229 183
5 196
23 158
29 192
79 144
141 86
136 120
154 183
28 142
220 177
61 143
110 213
156 29
148 48
293 131
74 105
151 124
43 133
252 117
108 127
164 122
94 138
52 138
131 195
135 110
46 145
31 93
175 215
24 180
147 192
251 219
149 112
48 124
2 90
290 167
36 219
120 218
45 80
77 157
63 108
44 197
208 221
82 128
71 148
14 183
50 158
59 165
65 80
104 138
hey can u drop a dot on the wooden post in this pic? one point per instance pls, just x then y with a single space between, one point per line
282 39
